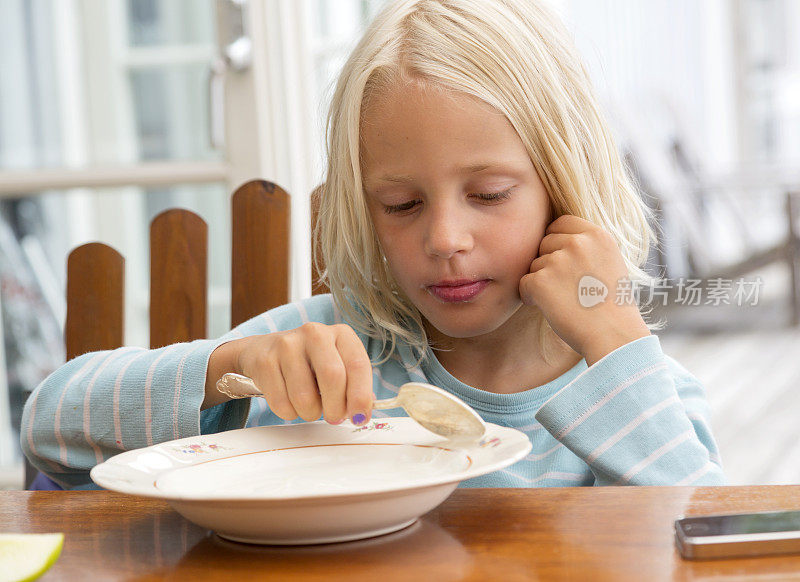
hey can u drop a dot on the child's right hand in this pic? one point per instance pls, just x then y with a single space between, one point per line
313 370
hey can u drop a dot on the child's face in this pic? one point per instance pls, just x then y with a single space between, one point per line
424 152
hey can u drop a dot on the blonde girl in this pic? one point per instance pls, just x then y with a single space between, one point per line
480 232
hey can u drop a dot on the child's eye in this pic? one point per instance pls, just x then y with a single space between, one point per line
493 196
404 207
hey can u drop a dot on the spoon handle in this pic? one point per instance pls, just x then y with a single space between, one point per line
388 403
238 386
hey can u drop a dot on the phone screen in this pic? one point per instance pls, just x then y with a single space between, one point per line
751 523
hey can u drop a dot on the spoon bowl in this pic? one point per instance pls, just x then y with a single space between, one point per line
437 410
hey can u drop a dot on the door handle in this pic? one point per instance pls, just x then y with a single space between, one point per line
235 54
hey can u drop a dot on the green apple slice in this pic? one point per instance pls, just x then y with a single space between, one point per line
25 557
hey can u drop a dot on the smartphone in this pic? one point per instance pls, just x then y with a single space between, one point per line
738 534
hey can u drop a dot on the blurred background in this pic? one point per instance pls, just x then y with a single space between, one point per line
114 110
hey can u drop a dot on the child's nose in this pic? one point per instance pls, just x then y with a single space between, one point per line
447 234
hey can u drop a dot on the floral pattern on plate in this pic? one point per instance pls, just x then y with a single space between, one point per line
493 442
374 426
201 447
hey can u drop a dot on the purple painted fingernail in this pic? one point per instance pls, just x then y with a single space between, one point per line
358 418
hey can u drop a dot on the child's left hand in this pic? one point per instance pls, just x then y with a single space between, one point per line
571 249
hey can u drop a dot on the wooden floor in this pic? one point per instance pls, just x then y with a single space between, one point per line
753 384
749 362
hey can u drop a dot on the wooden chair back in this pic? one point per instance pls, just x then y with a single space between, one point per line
95 293
260 212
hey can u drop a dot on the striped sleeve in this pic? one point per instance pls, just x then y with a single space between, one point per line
102 403
637 418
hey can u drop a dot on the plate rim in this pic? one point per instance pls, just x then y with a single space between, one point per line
151 491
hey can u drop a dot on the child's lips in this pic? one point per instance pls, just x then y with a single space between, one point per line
457 291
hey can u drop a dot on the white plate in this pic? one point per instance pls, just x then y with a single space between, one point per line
311 482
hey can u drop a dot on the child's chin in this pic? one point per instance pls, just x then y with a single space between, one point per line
465 330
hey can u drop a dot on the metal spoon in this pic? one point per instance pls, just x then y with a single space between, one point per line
435 409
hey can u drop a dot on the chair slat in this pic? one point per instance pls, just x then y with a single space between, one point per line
260 249
318 287
95 299
178 277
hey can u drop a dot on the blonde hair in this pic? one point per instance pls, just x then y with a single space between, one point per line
518 57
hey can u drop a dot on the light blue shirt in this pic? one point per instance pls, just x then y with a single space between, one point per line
636 417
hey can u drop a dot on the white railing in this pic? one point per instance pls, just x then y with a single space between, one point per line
18 183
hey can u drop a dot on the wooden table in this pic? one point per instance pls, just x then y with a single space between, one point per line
612 533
